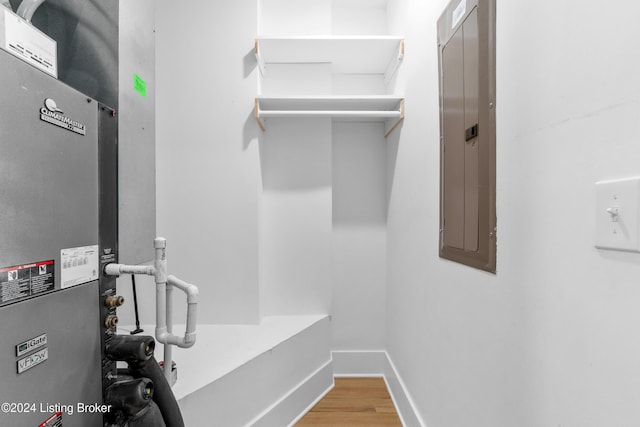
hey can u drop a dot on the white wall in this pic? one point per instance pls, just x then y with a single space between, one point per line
323 203
551 339
258 235
295 155
359 17
208 168
359 202
136 132
359 236
136 150
299 17
295 235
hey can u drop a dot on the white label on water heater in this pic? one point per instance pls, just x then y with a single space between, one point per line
25 41
33 360
32 344
79 265
458 13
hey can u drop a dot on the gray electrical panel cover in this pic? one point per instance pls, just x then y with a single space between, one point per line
466 43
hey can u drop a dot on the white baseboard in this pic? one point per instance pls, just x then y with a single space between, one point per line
369 363
315 401
377 363
297 402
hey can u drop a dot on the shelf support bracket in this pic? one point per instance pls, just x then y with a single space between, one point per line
259 59
397 122
394 64
256 114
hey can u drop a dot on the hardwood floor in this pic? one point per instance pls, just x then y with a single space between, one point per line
354 402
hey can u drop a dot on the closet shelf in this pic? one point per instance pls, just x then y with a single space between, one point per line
347 54
389 109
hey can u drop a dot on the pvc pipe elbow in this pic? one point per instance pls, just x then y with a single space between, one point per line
192 294
188 288
162 335
187 344
190 339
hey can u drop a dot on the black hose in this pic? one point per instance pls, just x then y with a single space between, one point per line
150 417
137 330
162 395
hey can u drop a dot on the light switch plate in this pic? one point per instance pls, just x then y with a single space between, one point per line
618 214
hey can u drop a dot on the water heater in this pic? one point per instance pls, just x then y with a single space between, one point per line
50 252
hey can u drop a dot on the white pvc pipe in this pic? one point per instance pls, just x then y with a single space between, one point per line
192 309
160 263
164 303
118 269
168 357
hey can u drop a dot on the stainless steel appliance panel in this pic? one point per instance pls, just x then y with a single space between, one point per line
48 173
70 377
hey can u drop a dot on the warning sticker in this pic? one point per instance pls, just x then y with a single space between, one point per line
26 280
79 265
54 421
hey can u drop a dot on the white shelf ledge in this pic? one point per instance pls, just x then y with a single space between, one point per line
347 54
389 109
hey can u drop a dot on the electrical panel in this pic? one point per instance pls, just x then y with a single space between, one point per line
466 44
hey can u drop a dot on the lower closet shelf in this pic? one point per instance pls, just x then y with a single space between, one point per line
389 109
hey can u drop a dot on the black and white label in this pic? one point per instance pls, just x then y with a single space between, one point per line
32 344
25 41
33 360
79 265
26 280
50 113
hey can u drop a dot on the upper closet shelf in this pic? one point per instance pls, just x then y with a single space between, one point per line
347 54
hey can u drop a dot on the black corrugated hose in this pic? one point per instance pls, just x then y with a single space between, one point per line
163 395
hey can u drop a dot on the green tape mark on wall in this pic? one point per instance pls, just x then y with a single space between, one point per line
139 85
